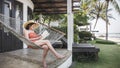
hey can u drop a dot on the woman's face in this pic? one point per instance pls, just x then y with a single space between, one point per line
32 27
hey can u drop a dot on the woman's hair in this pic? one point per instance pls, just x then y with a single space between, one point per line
29 25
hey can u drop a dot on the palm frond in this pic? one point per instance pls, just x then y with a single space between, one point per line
110 16
109 9
115 3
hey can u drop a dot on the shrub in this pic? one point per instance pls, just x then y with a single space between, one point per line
84 35
76 38
105 42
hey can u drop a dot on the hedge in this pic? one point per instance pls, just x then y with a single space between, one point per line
105 42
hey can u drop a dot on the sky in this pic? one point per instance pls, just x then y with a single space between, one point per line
114 26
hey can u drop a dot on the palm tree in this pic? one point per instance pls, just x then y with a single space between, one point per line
98 11
101 11
116 6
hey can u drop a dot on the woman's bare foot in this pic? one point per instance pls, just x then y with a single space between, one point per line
60 56
44 64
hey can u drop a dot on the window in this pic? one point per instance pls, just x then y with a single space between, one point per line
29 14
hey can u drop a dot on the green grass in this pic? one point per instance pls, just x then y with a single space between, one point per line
109 57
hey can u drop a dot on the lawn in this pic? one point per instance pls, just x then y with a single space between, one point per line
109 57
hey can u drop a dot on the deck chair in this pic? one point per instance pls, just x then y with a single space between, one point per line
11 25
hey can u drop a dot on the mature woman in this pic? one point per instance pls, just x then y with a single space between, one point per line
45 44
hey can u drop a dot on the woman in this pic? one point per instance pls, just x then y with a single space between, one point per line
45 44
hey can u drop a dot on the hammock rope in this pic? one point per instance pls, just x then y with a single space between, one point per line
14 26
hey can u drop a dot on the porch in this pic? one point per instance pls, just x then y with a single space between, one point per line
32 58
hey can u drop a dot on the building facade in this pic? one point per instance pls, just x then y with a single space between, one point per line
18 9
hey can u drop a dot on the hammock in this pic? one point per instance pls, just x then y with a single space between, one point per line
15 27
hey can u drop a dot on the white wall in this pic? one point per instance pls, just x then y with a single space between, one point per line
28 3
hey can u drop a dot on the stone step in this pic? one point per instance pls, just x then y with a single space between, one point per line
31 58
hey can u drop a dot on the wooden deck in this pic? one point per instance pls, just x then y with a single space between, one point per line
31 58
85 51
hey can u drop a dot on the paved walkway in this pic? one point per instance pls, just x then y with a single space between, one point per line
30 58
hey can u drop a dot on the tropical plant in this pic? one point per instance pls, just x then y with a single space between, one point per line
52 17
35 16
101 11
79 20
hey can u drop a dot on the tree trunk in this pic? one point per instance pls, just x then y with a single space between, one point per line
96 21
107 20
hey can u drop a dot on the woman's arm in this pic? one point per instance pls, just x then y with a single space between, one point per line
37 38
26 34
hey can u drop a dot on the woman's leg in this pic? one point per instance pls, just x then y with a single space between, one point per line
53 50
45 47
46 42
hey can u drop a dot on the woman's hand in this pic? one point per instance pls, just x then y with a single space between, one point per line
40 37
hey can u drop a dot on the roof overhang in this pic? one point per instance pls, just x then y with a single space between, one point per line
54 6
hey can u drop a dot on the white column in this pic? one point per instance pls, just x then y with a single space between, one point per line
25 18
70 27
70 24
